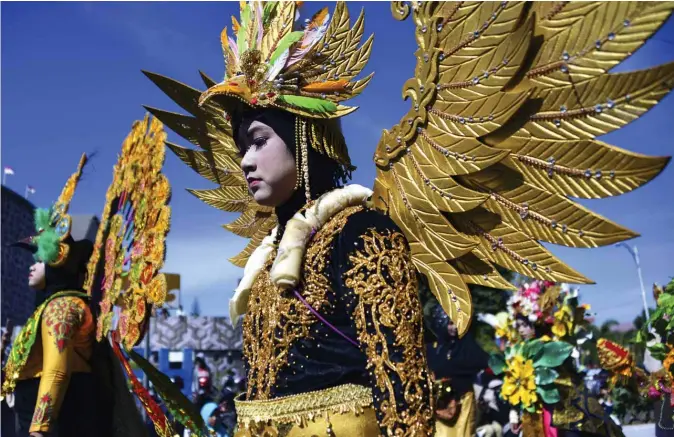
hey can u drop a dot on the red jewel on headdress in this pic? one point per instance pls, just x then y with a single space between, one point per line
270 95
253 101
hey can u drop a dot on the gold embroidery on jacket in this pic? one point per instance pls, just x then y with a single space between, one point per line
275 320
385 283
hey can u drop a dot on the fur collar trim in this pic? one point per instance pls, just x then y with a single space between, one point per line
285 272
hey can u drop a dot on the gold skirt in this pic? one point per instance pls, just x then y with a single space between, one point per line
342 411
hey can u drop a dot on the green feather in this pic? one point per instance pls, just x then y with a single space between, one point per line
241 36
47 241
308 103
42 218
269 9
285 43
47 246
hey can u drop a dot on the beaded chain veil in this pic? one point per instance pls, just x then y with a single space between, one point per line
507 101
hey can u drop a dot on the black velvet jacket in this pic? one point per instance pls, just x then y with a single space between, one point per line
358 275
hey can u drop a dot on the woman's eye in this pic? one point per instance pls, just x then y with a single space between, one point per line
259 142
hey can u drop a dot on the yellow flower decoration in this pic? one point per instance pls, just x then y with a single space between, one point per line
563 324
519 384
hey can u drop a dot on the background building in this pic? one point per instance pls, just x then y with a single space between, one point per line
18 301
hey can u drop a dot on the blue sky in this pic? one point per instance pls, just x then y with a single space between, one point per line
71 83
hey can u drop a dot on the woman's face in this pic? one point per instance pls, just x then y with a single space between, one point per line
525 329
267 164
37 276
452 329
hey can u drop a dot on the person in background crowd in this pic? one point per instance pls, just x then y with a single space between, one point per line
455 362
492 411
210 412
63 382
227 412
202 384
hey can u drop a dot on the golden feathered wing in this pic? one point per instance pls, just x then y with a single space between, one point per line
507 101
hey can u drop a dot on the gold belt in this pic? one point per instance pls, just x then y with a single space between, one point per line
305 406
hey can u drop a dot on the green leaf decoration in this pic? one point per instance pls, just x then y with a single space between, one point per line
658 351
545 376
666 301
285 43
549 395
497 363
532 349
311 104
554 354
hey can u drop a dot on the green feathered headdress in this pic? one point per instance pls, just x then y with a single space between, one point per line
47 240
53 225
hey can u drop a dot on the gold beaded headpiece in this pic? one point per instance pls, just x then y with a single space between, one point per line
270 63
306 72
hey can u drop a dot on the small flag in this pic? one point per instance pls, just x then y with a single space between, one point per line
9 171
30 189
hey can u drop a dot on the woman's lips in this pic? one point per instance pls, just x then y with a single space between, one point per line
254 183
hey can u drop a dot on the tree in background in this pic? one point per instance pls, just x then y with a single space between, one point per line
195 311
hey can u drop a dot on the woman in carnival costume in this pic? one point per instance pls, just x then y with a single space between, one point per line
660 356
55 371
474 174
657 381
454 363
66 379
542 329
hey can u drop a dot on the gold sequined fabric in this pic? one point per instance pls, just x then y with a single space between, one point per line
388 318
345 410
276 319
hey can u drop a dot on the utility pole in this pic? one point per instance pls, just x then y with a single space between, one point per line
635 255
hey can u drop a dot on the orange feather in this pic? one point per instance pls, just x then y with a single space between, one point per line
235 25
317 19
327 86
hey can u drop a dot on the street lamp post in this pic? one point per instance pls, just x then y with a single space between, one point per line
635 255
